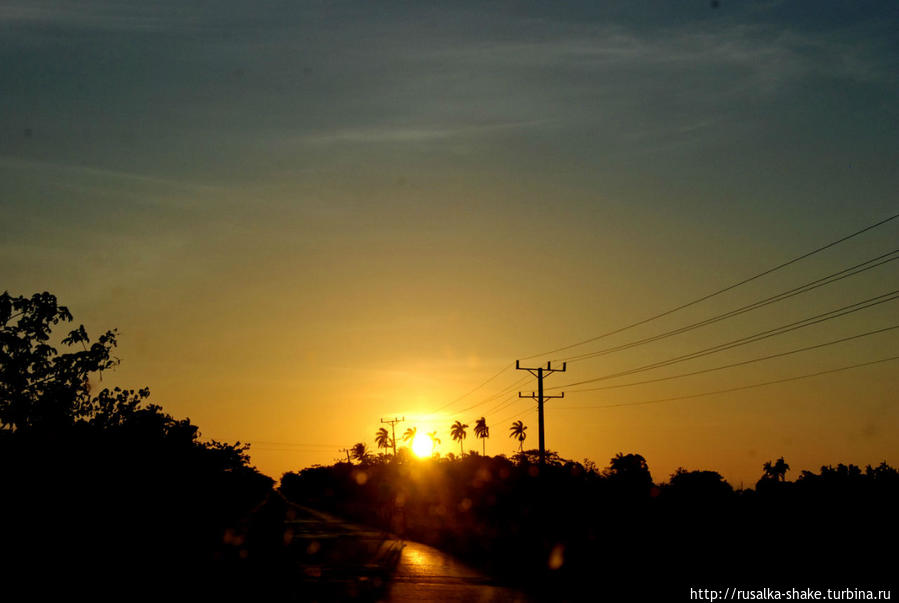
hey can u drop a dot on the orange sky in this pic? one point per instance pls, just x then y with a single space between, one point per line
302 383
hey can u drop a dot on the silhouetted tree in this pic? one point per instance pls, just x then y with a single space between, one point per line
106 459
776 471
38 385
882 472
409 434
360 453
532 457
518 431
403 455
435 441
382 438
457 431
707 487
631 473
510 518
482 431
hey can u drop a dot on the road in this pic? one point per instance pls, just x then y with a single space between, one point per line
337 559
427 574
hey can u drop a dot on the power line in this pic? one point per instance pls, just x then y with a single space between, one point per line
845 273
540 373
393 423
733 389
735 364
509 400
495 396
504 403
810 286
779 297
491 397
516 415
851 308
293 444
465 395
519 414
719 291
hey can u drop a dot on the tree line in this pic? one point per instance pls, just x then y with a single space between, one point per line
572 527
106 493
103 488
458 431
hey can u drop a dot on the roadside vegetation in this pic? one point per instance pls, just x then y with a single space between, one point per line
105 493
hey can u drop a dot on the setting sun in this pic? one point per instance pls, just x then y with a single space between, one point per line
421 446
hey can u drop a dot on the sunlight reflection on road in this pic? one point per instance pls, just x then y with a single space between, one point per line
427 574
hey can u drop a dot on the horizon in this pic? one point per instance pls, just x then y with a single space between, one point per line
304 219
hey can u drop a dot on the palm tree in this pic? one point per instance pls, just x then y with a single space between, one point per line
518 431
781 468
382 438
458 433
360 453
777 471
435 441
482 431
409 434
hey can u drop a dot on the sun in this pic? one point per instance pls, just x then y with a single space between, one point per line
421 445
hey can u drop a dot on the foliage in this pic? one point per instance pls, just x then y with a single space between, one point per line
39 387
697 487
382 438
481 430
518 431
532 457
631 472
457 432
435 441
359 452
131 477
511 517
776 471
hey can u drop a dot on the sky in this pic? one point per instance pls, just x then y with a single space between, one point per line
306 217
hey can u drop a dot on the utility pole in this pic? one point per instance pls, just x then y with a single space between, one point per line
540 373
393 423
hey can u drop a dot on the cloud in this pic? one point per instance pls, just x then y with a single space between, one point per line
105 174
410 134
104 15
223 90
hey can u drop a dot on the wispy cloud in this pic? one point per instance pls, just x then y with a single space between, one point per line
411 134
107 15
106 175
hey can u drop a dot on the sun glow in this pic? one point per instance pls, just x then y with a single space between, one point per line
421 445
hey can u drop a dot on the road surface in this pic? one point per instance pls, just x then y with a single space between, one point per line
337 559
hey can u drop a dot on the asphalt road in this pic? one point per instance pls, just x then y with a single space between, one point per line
427 574
339 560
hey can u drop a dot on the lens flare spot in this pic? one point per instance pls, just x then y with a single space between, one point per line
556 557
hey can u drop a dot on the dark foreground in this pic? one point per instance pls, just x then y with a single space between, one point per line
281 551
288 552
339 560
563 533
